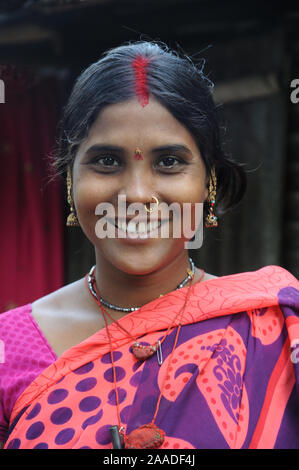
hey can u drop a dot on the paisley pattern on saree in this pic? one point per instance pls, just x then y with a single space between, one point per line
219 357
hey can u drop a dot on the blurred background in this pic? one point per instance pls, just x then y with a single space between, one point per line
251 50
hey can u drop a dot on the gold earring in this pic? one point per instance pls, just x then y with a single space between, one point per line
211 219
72 220
152 208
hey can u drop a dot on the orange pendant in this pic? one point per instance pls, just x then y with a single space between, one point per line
148 436
143 352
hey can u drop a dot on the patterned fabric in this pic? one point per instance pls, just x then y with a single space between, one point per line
231 383
24 354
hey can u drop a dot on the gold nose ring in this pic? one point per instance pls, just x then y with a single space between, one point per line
156 201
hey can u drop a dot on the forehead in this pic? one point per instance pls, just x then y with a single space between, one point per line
129 122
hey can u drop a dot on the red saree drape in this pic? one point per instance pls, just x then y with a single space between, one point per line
31 211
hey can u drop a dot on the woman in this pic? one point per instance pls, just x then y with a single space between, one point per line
148 351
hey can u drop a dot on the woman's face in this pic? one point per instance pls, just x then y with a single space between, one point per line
170 174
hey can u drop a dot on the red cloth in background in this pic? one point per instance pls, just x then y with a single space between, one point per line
31 208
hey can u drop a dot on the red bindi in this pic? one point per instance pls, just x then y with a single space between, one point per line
138 154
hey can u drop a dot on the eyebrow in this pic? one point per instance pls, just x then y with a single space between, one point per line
173 148
116 148
105 147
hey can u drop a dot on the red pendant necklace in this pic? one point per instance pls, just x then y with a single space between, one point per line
148 436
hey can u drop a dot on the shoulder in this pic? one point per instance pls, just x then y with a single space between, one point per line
275 280
279 274
66 316
20 340
271 276
246 290
15 320
59 302
58 312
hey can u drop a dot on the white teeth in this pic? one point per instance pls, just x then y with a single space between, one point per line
131 228
142 227
139 228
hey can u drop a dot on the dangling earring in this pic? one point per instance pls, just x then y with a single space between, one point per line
72 220
211 219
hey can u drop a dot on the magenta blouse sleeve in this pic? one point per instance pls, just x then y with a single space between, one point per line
24 354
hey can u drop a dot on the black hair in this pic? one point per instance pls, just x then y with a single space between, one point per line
177 82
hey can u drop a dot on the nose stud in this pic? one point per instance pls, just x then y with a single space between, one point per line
152 208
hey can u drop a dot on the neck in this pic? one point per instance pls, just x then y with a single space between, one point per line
134 290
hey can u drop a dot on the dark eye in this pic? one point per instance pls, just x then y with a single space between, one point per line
169 162
106 162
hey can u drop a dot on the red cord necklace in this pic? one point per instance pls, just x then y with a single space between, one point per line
148 436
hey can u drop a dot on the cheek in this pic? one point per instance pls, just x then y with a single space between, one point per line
191 217
88 193
85 202
191 191
192 197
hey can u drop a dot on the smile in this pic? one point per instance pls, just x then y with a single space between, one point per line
139 228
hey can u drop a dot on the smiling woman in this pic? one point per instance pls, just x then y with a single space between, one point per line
176 177
147 350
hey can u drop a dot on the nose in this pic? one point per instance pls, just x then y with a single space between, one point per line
138 186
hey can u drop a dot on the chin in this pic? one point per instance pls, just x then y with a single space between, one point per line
137 265
141 260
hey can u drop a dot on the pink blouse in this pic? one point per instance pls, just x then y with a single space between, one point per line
24 354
